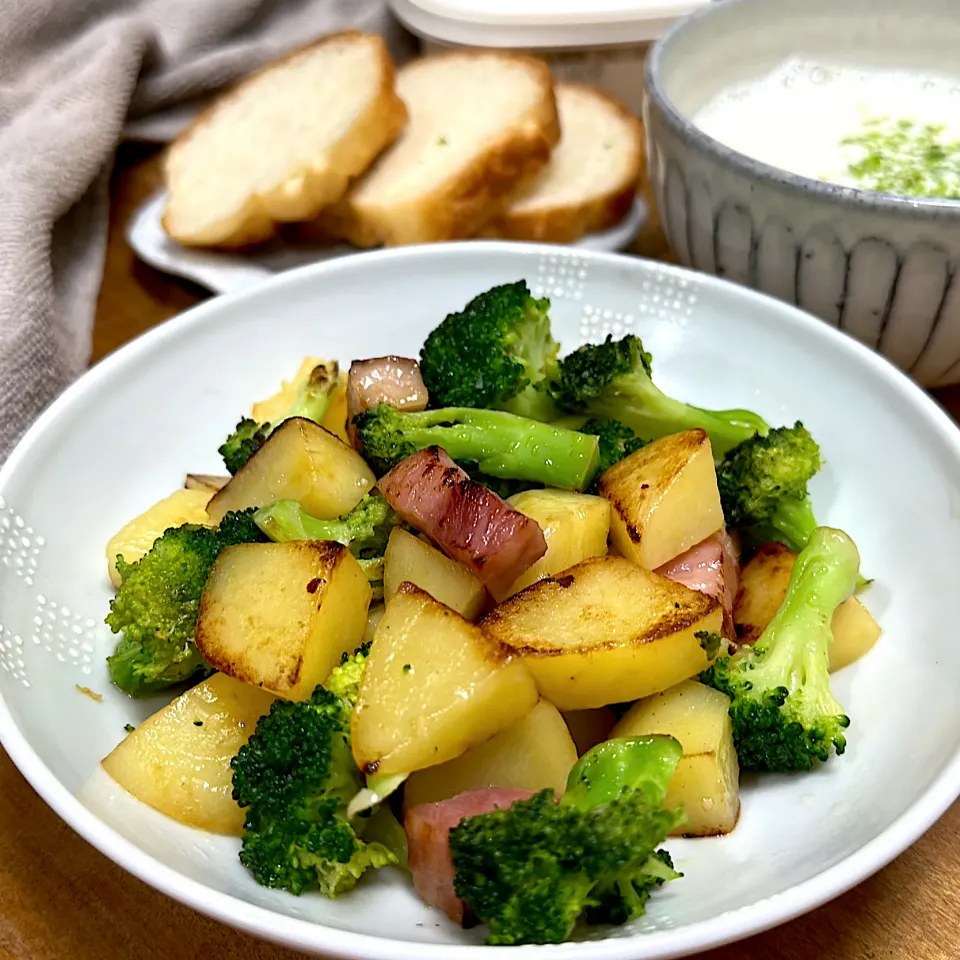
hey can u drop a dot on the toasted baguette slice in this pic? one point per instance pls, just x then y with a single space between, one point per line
284 143
482 123
591 180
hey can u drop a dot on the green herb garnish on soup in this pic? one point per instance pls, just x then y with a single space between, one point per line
905 158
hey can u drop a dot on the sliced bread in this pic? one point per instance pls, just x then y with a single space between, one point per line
482 123
591 180
284 143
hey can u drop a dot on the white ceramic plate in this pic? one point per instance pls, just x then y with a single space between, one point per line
126 433
225 272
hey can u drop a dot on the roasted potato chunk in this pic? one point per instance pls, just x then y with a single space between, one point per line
412 560
605 631
664 499
300 461
763 585
280 615
535 754
178 760
575 526
434 686
136 538
707 780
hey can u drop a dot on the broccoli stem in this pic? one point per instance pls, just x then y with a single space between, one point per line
613 381
794 650
316 397
364 529
500 444
651 414
286 520
823 576
784 714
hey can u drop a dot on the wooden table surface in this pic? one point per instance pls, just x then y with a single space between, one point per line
61 900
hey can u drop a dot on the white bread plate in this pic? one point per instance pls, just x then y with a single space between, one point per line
223 272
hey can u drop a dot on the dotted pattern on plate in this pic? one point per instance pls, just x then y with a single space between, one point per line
19 546
11 656
68 636
666 298
561 276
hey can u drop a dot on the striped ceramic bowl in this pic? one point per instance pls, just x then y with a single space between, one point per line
882 268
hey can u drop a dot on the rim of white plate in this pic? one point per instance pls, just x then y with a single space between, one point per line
306 935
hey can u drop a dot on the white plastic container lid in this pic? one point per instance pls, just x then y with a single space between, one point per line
530 24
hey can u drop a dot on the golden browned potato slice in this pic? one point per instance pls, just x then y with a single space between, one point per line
605 631
664 498
575 526
763 585
178 760
137 537
590 727
434 686
707 779
410 559
205 481
266 411
280 615
300 461
535 754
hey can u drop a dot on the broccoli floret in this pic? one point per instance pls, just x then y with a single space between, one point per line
497 353
313 402
622 903
344 679
763 486
499 444
612 380
784 715
711 643
247 438
530 871
296 776
365 530
616 442
155 608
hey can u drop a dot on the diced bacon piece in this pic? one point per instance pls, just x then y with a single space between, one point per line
428 827
710 567
466 520
393 380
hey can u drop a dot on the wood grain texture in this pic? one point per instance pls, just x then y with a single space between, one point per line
61 900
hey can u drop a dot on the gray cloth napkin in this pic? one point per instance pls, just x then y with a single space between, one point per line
71 72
